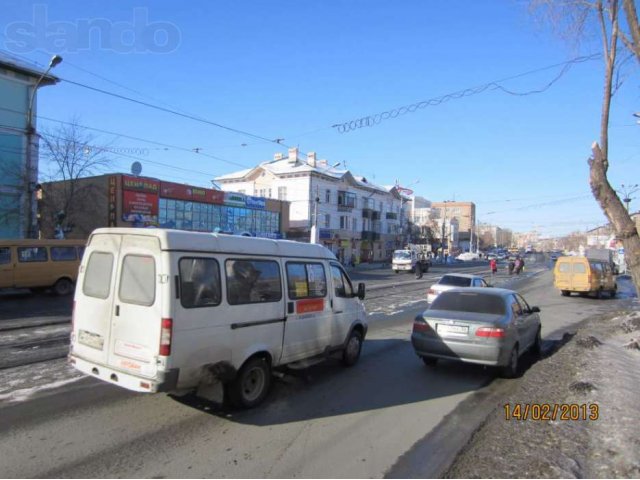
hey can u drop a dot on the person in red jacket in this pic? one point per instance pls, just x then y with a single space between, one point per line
494 266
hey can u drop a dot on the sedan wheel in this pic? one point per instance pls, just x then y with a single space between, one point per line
511 369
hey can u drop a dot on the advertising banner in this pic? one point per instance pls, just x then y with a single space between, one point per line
257 203
139 206
113 187
189 193
234 199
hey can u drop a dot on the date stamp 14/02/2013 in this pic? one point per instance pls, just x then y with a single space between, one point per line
552 411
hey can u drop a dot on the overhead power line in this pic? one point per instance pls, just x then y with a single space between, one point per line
376 119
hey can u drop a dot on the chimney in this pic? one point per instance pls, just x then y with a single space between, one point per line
278 156
311 159
293 153
323 163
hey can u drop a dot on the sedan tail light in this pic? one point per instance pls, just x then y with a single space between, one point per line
492 332
420 324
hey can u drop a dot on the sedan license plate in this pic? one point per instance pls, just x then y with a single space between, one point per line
452 329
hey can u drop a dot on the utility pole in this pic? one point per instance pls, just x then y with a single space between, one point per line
314 228
31 177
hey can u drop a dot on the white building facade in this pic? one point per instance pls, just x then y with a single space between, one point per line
357 220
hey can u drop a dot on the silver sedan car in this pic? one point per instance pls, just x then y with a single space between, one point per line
488 326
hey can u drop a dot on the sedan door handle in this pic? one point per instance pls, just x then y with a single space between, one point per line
338 311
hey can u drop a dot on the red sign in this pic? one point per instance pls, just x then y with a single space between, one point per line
112 216
189 193
138 184
215 196
139 205
310 305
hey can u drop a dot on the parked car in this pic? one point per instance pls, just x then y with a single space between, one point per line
487 326
584 276
468 256
454 280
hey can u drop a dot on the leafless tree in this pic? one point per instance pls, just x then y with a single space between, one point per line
616 29
68 154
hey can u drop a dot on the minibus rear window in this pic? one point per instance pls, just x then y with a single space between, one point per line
97 277
564 268
63 254
199 282
579 268
253 281
138 280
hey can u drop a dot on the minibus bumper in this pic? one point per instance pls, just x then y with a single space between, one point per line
162 382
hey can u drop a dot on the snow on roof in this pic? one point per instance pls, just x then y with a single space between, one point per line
238 174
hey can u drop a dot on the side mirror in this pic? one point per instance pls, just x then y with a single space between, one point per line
361 289
535 309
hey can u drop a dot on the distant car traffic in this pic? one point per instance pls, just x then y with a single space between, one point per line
487 326
454 280
468 256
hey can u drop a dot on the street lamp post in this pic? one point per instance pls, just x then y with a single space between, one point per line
627 191
30 174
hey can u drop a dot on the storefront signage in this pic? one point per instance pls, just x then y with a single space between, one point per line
137 184
139 206
189 193
215 196
257 203
112 216
234 199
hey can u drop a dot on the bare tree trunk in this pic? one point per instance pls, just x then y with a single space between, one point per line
603 192
632 20
623 225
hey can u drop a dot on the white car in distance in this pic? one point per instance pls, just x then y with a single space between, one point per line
454 280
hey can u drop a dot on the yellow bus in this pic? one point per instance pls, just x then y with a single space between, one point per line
40 264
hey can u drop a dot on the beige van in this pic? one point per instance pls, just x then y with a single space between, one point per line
40 264
584 276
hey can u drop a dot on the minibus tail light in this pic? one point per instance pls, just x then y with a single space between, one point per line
165 337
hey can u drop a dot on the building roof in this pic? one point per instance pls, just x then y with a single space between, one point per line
25 68
288 166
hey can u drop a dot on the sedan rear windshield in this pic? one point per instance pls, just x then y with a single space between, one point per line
455 281
469 302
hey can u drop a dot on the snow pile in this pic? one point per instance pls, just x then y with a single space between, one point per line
592 368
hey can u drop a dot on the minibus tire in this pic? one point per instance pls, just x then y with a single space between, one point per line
251 385
63 287
352 349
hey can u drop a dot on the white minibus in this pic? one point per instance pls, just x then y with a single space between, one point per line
168 310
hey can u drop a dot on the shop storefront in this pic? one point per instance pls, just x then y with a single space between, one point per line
125 200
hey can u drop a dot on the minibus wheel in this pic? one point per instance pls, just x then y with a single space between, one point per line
251 385
352 349
63 287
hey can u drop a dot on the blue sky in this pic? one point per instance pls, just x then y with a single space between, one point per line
292 69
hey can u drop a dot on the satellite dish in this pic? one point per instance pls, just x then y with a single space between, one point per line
136 168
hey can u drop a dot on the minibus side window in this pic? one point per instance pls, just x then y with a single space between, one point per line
62 254
199 282
341 283
253 281
32 254
306 280
97 278
138 280
5 255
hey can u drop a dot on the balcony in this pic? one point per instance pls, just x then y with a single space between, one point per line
370 236
367 213
392 216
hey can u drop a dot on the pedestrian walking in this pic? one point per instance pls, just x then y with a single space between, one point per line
494 266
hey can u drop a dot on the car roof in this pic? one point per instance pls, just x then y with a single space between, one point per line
461 275
496 292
